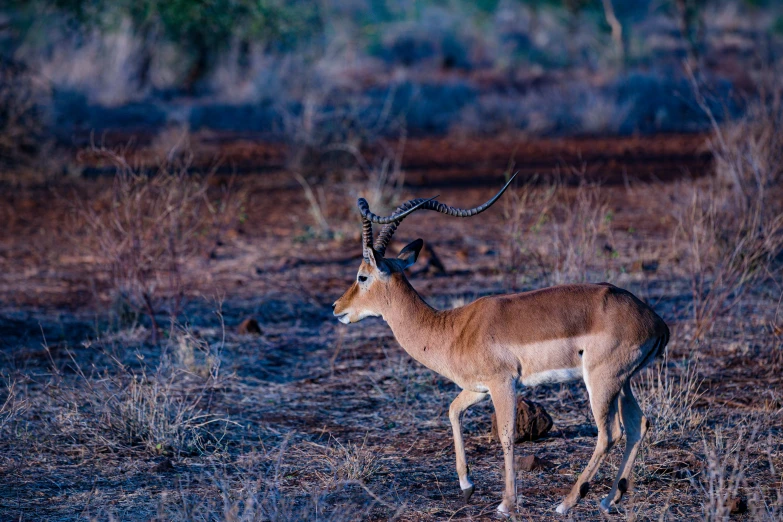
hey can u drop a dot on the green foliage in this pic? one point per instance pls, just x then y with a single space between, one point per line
777 28
210 24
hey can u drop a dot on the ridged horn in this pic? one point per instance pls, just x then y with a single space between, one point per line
430 204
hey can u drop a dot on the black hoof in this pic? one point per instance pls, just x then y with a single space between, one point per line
467 493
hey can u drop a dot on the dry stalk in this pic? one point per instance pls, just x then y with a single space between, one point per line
149 228
733 229
159 410
729 250
668 393
22 118
346 463
725 473
571 228
11 406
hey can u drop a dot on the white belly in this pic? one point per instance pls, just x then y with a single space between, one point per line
553 376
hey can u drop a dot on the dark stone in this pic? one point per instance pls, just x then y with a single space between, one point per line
249 327
533 422
737 505
164 466
532 463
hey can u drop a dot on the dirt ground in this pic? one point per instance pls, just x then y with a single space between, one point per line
314 420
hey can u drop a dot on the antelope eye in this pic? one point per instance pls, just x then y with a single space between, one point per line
362 279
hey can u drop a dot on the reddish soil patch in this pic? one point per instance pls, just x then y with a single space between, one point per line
445 161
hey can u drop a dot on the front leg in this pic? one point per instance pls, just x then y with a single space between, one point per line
464 400
504 399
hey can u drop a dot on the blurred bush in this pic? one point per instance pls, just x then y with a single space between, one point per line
23 100
542 67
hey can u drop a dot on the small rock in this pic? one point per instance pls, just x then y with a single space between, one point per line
249 327
532 463
533 422
737 505
651 265
164 466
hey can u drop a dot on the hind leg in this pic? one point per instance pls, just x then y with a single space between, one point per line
464 400
604 403
636 426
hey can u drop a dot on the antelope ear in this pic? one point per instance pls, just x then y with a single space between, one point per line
376 260
409 254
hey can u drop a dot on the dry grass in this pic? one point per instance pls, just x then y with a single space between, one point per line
346 463
574 223
729 250
23 118
739 475
250 494
148 229
669 392
345 146
11 405
131 406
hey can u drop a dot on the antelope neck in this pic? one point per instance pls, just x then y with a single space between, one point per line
420 329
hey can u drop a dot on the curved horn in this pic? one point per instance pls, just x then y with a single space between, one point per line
368 218
366 236
406 208
364 208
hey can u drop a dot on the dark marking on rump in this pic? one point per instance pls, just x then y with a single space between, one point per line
583 489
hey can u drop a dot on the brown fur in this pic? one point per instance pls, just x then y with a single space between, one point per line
601 331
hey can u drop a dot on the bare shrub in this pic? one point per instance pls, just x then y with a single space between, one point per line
11 406
570 223
380 181
150 227
576 234
733 228
749 152
159 410
733 479
668 393
724 481
347 463
527 210
724 474
766 499
336 135
258 491
729 250
196 354
22 115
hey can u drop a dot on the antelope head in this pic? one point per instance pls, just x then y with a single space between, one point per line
378 277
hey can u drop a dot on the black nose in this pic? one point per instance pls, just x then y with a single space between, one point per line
334 305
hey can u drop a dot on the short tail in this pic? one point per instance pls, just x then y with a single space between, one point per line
658 348
663 340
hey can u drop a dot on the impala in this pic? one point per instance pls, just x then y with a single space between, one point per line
596 332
